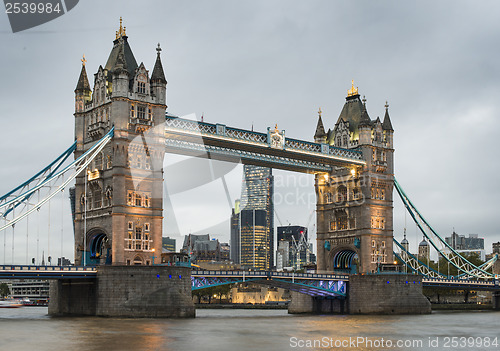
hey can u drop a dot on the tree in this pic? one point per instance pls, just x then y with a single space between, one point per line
4 290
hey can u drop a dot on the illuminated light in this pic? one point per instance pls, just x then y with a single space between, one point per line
326 177
170 276
395 262
388 282
406 282
93 175
158 276
180 277
353 172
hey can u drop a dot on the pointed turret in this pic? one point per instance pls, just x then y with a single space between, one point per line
387 125
365 119
83 82
158 74
83 92
158 81
320 135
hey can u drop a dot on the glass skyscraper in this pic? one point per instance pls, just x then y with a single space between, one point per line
256 219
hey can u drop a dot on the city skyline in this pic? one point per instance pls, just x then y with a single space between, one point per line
437 72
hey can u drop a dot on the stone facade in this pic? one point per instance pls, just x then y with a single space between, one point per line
387 294
119 200
120 291
354 206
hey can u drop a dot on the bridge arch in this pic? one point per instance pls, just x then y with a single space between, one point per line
346 260
98 247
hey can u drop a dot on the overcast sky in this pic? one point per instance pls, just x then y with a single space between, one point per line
265 62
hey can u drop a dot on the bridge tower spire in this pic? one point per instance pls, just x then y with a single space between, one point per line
354 206
118 206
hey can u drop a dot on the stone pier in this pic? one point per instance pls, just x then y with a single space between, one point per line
370 294
387 294
302 303
126 291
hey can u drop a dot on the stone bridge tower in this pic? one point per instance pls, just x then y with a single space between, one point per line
354 207
119 200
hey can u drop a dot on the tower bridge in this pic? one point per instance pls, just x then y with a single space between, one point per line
122 133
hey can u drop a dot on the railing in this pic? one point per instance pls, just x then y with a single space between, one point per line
27 268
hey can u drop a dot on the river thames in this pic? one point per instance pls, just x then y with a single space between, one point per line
30 328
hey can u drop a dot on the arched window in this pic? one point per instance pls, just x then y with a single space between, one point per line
341 194
356 194
344 141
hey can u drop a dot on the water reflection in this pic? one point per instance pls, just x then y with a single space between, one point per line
31 329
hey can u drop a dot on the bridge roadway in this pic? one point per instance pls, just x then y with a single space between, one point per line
316 284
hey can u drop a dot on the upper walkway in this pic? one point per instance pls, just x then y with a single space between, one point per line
272 149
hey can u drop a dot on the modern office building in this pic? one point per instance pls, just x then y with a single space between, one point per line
234 240
257 209
460 242
168 244
255 244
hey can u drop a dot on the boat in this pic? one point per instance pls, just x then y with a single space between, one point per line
10 303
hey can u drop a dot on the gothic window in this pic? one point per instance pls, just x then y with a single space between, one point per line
374 256
146 227
148 163
138 245
130 225
138 163
374 244
338 141
341 221
150 113
109 162
138 233
341 194
344 141
333 226
132 111
141 112
89 201
356 194
141 87
378 222
130 198
329 198
98 161
146 200
129 240
97 198
138 199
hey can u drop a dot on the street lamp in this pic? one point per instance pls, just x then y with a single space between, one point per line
153 256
